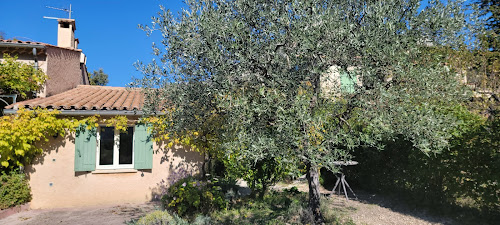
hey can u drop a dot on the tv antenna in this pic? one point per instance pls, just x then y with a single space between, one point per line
60 9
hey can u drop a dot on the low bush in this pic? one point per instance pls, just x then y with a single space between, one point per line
190 196
287 207
14 189
159 217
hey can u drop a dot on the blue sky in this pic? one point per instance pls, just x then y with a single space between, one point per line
107 30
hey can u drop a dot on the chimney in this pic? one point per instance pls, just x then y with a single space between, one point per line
66 33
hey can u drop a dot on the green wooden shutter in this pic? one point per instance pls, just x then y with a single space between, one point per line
85 149
347 82
143 148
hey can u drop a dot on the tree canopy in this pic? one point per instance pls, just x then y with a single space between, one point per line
491 10
264 68
19 78
98 78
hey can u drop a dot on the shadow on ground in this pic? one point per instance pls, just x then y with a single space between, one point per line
112 215
399 203
448 216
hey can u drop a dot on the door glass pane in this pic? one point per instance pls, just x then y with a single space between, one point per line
126 139
106 146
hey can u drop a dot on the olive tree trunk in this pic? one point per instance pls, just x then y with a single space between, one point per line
314 194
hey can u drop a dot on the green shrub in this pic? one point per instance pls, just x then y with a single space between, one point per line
293 190
466 174
14 189
190 196
159 217
287 207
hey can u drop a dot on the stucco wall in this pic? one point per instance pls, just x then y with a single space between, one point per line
30 60
63 70
54 183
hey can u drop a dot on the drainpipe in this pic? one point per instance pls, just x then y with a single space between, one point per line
36 67
36 59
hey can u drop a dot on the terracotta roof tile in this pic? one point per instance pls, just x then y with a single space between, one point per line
87 97
36 43
118 104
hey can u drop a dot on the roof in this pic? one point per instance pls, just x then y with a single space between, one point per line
88 97
17 44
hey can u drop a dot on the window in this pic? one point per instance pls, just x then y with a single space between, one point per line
347 82
118 150
115 148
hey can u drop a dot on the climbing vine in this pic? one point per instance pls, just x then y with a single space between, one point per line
162 134
22 134
119 122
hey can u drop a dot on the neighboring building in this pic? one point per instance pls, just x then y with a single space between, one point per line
103 166
335 81
64 64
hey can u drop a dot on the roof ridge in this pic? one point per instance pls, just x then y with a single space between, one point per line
89 97
37 43
106 87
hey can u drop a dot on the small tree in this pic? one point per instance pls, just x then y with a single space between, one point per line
98 78
19 78
260 65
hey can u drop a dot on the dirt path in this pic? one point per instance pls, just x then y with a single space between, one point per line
113 215
372 209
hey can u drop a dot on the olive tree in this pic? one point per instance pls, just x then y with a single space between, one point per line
269 70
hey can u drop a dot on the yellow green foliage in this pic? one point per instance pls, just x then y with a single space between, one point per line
20 132
17 77
119 122
90 122
160 129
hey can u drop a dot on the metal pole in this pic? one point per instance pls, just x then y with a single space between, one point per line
343 185
350 189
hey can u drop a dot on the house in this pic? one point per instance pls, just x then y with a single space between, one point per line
101 166
64 63
335 80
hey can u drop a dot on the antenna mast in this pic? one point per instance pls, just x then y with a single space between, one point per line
60 9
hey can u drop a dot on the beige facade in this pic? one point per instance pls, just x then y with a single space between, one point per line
66 33
54 183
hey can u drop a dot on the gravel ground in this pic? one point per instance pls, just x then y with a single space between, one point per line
372 209
117 214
